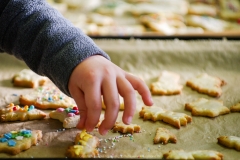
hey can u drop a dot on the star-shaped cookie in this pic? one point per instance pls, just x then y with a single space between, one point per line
155 113
68 116
230 142
28 78
47 97
15 142
235 108
123 128
205 107
198 154
14 112
164 136
206 84
167 84
84 147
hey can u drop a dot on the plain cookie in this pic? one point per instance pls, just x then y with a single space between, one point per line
154 113
205 107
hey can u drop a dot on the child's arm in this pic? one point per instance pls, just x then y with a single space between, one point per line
50 45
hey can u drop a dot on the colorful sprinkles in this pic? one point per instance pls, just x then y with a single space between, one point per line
10 137
50 94
70 111
110 143
25 108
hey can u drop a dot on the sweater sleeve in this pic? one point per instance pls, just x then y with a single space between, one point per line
49 44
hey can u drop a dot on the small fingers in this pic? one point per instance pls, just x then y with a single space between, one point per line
78 96
93 102
141 87
111 101
128 93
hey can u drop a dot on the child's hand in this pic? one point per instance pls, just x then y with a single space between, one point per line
97 76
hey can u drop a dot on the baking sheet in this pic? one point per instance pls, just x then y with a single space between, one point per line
146 59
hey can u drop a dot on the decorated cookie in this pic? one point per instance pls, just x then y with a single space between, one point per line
208 23
198 154
16 113
206 84
85 146
235 108
205 107
202 9
230 9
68 116
163 6
230 142
28 78
167 84
119 30
100 19
123 128
155 113
164 136
47 97
15 142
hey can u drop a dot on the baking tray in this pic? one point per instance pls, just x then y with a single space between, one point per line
146 59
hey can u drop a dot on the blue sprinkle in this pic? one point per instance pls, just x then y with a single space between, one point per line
31 107
8 135
50 99
26 131
3 140
14 94
73 111
11 143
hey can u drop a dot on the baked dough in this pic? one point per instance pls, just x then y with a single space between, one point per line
155 113
14 112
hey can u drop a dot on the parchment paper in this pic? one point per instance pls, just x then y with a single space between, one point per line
146 59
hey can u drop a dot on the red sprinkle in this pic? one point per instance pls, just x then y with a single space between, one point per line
75 108
77 112
14 108
238 21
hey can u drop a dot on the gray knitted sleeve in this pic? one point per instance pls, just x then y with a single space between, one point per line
49 44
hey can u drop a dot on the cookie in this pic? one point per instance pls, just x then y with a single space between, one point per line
163 6
29 79
47 97
85 146
16 113
198 154
15 142
202 9
213 2
235 108
123 128
167 84
229 9
208 108
113 8
117 30
121 107
166 23
230 142
100 19
164 136
155 113
208 23
206 84
68 116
